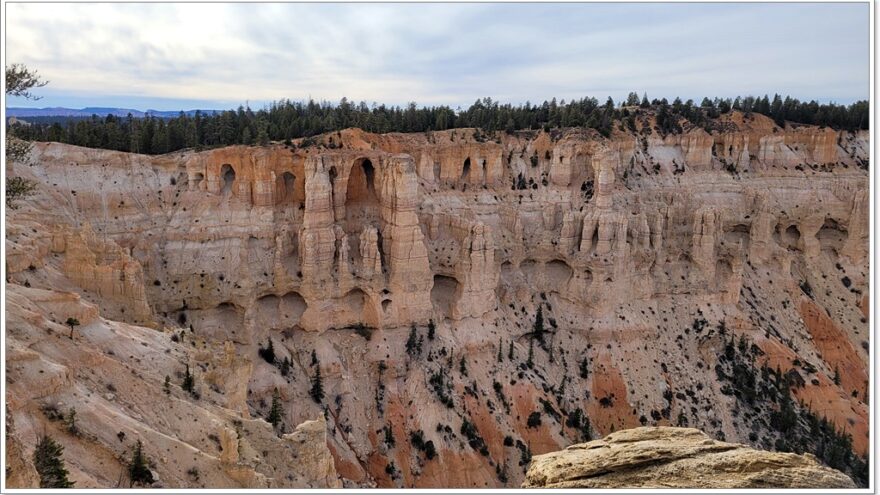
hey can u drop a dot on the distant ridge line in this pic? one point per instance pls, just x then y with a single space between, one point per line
22 112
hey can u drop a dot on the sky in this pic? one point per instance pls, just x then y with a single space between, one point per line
217 56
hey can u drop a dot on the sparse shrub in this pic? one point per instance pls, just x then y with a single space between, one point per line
534 420
268 352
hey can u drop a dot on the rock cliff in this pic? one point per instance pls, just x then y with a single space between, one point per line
715 280
665 457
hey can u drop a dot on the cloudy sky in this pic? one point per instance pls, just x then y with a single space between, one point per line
182 56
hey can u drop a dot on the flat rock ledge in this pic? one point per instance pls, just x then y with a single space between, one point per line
666 457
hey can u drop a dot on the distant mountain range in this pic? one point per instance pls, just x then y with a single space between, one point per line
21 112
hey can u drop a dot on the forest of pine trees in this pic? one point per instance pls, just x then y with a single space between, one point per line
285 120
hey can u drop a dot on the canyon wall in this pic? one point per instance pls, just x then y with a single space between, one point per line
409 269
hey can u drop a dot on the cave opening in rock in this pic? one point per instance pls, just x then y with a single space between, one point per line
790 238
466 170
227 173
445 294
277 313
361 203
738 235
361 183
359 309
437 170
285 187
197 180
557 273
832 236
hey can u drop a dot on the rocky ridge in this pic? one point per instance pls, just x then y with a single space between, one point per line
666 457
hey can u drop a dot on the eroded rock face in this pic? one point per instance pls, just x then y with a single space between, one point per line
665 457
651 257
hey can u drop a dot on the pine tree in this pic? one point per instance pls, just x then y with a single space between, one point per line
539 324
836 375
50 464
412 341
500 351
317 390
530 362
431 329
314 358
70 421
189 382
138 468
510 354
167 386
275 414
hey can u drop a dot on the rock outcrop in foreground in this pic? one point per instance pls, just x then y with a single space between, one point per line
665 457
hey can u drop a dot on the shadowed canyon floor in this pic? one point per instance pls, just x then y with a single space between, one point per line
468 299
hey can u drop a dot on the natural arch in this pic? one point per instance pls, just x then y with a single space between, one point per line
227 174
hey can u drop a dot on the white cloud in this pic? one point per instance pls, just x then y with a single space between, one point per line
440 53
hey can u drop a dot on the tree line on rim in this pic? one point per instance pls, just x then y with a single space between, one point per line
286 120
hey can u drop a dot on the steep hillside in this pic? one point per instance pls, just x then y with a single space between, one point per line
469 299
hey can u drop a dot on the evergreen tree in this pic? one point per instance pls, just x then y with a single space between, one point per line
167 386
317 390
314 358
50 464
70 421
275 413
139 469
530 362
632 99
189 381
431 329
538 327
510 354
500 351
412 341
836 375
